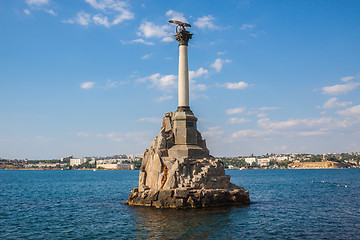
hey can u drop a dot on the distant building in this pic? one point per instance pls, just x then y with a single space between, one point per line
116 166
251 160
77 161
113 161
66 159
264 162
280 158
130 156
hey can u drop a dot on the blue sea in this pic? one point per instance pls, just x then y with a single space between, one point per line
286 204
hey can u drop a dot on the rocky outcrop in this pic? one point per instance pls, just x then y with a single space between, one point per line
188 198
166 181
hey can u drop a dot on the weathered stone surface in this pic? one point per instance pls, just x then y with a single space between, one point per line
183 176
154 171
197 198
181 193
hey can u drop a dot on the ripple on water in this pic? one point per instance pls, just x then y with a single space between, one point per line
89 205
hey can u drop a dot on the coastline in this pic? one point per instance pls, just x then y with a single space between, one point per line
237 169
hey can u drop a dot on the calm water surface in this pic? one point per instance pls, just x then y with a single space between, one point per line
89 205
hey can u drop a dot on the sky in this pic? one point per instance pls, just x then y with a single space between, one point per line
94 77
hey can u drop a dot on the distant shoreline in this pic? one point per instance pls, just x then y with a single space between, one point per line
44 169
237 169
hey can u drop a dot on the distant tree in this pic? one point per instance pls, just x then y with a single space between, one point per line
137 163
272 163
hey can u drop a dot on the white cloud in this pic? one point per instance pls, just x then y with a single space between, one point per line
142 137
257 34
150 30
200 87
37 2
87 85
126 15
101 5
267 108
198 96
197 73
136 137
162 82
348 78
340 88
117 8
38 5
82 134
333 103
235 110
238 85
292 127
261 115
82 18
112 84
218 64
175 15
27 11
150 119
139 40
213 132
353 111
221 53
146 56
310 133
251 133
165 82
100 20
113 9
51 12
238 120
164 98
206 22
115 136
247 26
167 39
294 123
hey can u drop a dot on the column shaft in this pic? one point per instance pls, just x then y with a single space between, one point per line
183 81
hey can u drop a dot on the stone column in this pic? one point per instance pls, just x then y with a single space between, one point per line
183 82
183 38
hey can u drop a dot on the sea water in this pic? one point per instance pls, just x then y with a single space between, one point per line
286 204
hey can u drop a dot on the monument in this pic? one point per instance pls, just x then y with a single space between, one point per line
177 171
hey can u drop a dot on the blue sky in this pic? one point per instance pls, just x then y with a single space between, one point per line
94 77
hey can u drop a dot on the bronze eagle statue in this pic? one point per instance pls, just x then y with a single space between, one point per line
182 25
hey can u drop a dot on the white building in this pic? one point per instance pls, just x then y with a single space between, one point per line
251 160
280 158
77 161
263 162
66 159
116 166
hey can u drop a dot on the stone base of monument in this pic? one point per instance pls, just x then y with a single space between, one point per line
183 176
188 198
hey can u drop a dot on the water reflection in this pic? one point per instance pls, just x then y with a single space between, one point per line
185 224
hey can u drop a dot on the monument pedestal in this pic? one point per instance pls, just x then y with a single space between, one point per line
177 170
186 136
187 151
183 175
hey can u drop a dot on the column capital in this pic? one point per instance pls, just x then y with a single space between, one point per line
183 37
